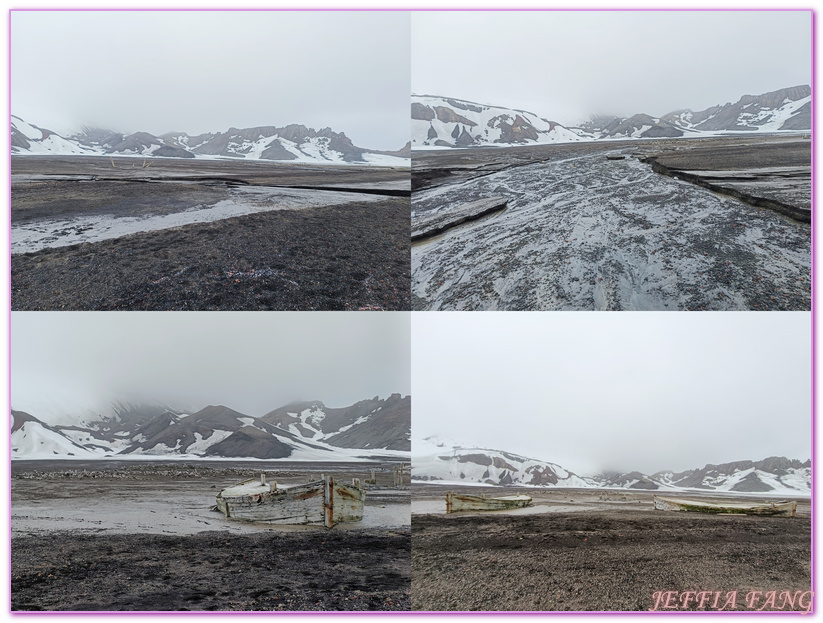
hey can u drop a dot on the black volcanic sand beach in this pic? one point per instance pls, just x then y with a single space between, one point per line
117 536
330 570
348 256
603 559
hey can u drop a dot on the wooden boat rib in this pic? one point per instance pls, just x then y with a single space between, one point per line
784 508
324 502
458 502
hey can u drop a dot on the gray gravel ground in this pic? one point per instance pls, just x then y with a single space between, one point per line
602 560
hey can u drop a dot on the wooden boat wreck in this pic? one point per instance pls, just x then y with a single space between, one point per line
323 502
458 502
781 509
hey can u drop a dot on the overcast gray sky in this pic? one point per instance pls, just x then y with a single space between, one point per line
565 65
640 391
66 362
205 71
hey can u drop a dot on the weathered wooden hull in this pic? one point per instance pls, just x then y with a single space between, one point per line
323 503
780 509
456 502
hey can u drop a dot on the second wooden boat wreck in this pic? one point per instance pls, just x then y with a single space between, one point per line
784 509
323 502
458 502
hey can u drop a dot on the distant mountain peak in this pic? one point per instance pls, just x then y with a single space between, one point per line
298 431
450 122
440 122
437 460
292 143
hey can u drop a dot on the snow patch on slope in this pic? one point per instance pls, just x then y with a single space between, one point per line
488 125
34 441
204 443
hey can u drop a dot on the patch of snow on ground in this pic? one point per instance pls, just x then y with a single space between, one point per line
42 234
160 449
383 160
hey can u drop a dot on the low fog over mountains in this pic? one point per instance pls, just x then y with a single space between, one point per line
296 431
292 143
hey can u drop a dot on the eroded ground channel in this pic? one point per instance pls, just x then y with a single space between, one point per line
96 233
594 226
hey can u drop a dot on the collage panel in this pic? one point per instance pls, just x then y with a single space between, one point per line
552 469
212 461
243 160
551 171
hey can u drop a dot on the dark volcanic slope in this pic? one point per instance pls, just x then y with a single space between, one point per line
347 257
386 423
334 570
250 441
387 428
601 560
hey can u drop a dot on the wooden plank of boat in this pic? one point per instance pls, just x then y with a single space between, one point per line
458 502
783 508
324 502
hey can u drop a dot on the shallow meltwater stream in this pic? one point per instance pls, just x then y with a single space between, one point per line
45 233
587 233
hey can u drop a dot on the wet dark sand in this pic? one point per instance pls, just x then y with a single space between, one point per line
346 257
350 256
364 570
594 226
603 558
432 168
140 536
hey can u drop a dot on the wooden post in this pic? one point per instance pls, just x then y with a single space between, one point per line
328 501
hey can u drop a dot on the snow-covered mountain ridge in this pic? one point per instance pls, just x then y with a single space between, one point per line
448 122
438 461
369 428
439 122
292 143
